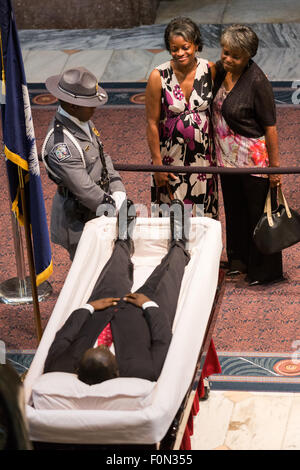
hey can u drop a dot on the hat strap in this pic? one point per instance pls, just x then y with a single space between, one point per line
101 96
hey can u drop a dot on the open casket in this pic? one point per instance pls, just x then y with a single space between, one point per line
60 409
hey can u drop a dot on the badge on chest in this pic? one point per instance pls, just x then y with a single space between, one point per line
96 132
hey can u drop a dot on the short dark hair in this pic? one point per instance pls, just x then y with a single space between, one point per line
240 37
185 27
97 365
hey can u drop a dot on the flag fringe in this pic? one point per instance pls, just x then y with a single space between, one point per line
15 158
16 210
43 276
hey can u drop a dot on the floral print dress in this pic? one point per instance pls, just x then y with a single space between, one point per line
185 140
232 149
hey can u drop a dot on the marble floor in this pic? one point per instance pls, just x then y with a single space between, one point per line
232 420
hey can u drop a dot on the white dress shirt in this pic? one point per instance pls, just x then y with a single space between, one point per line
83 125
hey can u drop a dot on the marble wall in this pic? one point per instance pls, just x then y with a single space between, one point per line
73 14
150 37
123 55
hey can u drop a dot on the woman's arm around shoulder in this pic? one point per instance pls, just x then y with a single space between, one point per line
212 68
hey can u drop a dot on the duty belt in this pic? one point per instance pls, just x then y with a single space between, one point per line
73 208
65 192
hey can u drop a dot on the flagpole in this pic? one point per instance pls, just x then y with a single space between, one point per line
22 163
19 254
14 291
17 290
36 308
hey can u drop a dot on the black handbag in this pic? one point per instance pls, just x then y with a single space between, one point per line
277 229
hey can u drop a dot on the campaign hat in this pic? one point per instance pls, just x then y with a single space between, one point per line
77 86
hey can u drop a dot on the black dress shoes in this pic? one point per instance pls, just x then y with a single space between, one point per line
126 222
107 207
253 282
233 272
178 222
236 267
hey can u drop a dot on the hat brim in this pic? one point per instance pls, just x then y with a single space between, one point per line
95 101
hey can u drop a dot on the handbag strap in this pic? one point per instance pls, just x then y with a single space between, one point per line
268 207
283 201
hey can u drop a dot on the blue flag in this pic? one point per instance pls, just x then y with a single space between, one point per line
19 142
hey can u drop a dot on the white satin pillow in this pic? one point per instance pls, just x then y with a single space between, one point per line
60 390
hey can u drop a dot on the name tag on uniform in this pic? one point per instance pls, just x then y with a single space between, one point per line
61 152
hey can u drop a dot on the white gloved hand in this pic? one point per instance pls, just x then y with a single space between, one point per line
118 197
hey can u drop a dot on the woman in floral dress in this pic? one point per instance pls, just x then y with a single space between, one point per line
178 96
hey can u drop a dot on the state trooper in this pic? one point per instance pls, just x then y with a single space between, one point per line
75 160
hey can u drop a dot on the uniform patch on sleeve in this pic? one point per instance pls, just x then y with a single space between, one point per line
61 152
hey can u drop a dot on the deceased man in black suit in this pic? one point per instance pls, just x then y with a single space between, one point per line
141 322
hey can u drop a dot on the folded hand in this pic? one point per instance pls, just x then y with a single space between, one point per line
136 299
101 304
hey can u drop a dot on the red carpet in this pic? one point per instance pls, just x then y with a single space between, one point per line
251 319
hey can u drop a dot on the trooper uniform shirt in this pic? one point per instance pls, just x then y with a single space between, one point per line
76 162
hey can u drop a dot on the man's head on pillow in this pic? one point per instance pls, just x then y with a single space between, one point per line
97 365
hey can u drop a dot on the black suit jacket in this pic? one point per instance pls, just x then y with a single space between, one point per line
141 339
